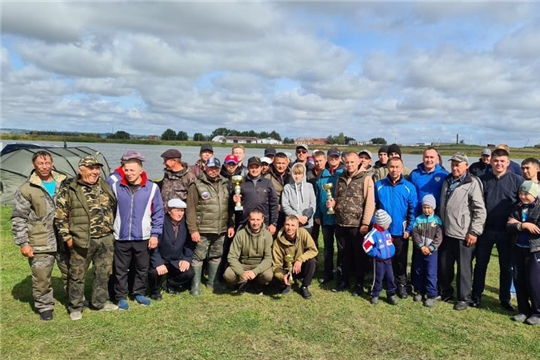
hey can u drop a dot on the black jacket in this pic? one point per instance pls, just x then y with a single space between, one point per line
532 217
500 195
171 249
260 194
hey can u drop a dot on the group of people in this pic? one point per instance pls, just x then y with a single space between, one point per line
260 222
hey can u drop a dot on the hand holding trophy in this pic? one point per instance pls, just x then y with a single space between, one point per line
328 187
289 260
237 180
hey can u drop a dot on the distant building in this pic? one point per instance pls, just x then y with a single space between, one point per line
359 143
269 141
310 141
240 140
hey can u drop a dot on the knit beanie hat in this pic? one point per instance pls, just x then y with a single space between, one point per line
429 200
382 218
394 148
530 187
383 149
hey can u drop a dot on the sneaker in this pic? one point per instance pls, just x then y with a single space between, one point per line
430 302
46 315
358 291
507 306
340 287
417 298
475 303
171 290
519 318
286 290
402 292
242 288
461 305
143 300
325 280
156 297
374 300
305 292
532 320
76 315
392 300
108 307
122 304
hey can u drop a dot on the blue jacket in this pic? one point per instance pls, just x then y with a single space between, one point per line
171 249
139 215
427 183
399 200
325 177
378 243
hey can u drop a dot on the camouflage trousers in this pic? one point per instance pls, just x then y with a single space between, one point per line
100 253
210 246
41 266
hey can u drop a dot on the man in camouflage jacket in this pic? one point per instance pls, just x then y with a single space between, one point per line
33 231
84 218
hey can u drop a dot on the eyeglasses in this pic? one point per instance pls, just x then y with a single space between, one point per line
301 151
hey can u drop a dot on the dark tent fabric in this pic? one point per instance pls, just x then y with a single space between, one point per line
16 166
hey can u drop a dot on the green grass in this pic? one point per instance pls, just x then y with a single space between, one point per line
329 326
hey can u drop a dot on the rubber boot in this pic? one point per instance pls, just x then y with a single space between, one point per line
213 281
196 281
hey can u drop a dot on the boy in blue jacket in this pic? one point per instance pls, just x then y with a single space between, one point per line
427 236
379 245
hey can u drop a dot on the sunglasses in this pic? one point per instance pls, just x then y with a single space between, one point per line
301 151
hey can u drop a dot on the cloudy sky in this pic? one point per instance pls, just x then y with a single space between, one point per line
409 72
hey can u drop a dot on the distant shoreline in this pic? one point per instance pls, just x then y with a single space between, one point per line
472 151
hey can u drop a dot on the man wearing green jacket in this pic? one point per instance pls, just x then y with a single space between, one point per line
33 231
250 256
294 242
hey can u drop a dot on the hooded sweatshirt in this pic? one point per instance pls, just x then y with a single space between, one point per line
299 198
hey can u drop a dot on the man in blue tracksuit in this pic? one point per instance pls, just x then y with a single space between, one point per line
428 178
329 175
397 197
137 225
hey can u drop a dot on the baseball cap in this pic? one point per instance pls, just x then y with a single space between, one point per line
270 151
367 152
459 157
231 159
172 154
205 147
132 154
89 160
334 151
486 152
213 162
254 160
302 146
266 160
176 204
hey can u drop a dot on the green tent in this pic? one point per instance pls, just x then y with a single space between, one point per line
16 166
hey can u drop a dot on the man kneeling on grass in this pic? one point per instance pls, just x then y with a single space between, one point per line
172 257
296 242
250 256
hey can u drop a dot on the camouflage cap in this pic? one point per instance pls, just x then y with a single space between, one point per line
89 160
460 157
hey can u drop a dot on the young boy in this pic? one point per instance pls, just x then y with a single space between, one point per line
524 222
378 244
427 236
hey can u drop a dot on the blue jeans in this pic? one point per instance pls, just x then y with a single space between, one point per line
483 254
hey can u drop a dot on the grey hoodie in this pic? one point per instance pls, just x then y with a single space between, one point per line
299 198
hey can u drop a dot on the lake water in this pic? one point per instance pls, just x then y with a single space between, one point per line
190 154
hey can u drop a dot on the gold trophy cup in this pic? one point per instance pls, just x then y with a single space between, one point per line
237 180
289 260
328 187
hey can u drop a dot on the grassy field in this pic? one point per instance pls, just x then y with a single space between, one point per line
328 326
